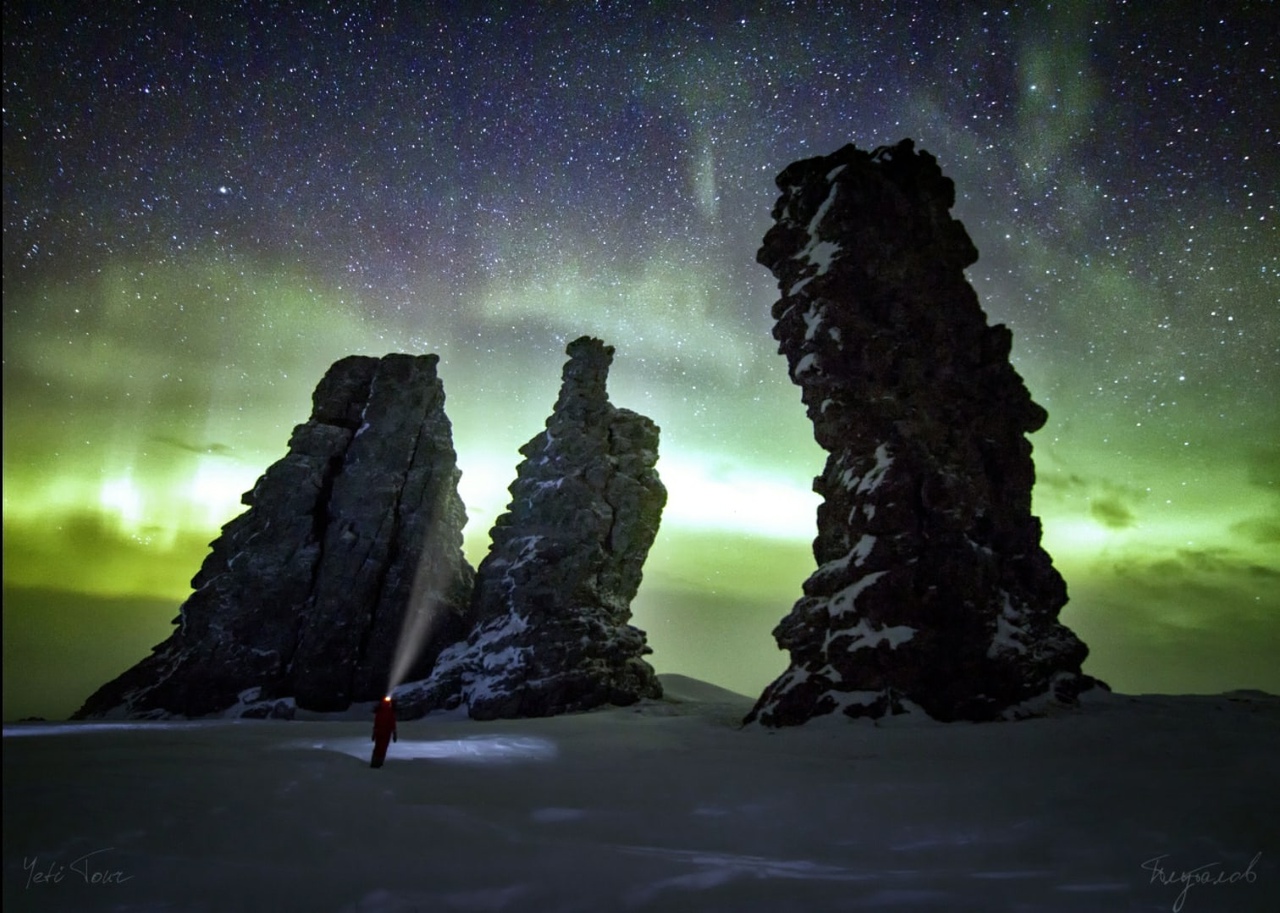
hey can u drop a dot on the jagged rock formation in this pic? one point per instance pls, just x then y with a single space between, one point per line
931 589
553 596
303 595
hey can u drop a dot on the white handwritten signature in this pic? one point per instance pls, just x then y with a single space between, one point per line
1206 875
85 867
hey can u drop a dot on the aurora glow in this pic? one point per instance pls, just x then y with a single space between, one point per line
205 205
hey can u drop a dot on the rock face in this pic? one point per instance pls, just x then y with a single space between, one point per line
932 589
553 596
303 596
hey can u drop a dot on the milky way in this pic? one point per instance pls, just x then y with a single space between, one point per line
207 204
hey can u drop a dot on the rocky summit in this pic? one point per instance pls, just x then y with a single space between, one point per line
302 598
553 597
932 591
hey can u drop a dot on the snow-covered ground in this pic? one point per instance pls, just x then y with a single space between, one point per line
668 806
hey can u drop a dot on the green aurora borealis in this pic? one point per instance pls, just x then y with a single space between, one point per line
177 279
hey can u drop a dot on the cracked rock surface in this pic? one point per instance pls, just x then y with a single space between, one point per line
932 591
553 597
301 600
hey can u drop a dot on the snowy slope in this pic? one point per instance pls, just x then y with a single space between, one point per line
666 806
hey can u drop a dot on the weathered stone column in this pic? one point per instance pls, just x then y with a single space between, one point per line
303 595
553 596
932 589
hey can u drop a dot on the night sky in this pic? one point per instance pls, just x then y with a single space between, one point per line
206 204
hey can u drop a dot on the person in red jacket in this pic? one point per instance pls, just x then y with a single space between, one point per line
384 730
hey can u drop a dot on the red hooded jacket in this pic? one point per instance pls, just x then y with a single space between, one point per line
384 722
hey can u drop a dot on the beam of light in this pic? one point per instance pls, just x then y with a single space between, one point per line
489 749
431 584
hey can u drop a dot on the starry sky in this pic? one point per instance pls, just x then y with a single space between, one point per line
206 204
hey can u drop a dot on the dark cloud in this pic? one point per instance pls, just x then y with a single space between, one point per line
1117 498
1259 530
86 552
1208 570
212 449
1216 561
1110 503
1202 624
1062 481
1111 512
1195 620
1264 469
60 646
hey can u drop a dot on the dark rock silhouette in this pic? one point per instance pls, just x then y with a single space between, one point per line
553 596
931 589
301 600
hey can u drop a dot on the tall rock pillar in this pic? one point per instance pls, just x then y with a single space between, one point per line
931 589
553 597
303 596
